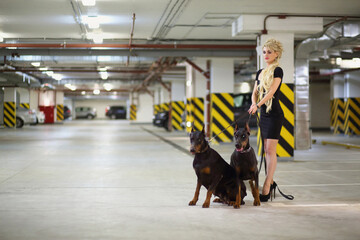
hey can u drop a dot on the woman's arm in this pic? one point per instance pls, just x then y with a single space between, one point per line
270 94
254 98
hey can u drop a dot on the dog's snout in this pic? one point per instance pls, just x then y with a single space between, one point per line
237 145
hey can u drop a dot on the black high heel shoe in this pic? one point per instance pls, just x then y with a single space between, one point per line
265 198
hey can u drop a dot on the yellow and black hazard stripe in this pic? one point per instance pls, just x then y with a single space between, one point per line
352 116
164 107
332 113
60 112
156 108
133 112
178 108
286 145
25 105
9 114
339 115
222 115
194 114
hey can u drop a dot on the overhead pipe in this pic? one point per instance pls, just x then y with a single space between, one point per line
130 40
284 16
130 46
196 67
73 70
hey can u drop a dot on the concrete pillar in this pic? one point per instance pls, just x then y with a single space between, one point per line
285 148
24 100
177 105
34 99
337 103
1 107
145 109
221 99
10 107
59 110
352 103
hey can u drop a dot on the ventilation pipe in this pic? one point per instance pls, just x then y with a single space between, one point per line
333 36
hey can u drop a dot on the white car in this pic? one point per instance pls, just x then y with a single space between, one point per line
40 117
25 116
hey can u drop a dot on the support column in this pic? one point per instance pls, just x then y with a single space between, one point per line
222 101
59 111
157 100
145 109
1 107
352 104
177 104
10 107
24 100
338 103
285 148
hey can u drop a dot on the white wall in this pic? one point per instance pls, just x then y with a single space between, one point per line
24 95
352 86
34 99
319 105
222 75
99 104
178 91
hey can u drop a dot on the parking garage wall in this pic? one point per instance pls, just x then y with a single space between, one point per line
99 105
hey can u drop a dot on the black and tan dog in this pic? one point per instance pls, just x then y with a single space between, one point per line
214 173
244 161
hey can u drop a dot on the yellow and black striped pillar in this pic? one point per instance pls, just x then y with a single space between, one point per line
352 116
156 108
222 115
285 147
164 107
133 112
178 108
332 113
195 113
59 112
339 119
25 105
9 114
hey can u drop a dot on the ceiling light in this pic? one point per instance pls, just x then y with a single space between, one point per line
108 86
49 73
36 64
104 75
83 93
96 91
57 76
69 86
103 69
88 2
43 69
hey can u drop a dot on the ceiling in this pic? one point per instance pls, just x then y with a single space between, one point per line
164 33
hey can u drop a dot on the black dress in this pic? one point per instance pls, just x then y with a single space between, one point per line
271 122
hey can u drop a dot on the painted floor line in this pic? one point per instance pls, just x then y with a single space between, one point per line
322 185
316 205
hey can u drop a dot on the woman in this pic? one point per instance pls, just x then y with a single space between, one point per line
265 96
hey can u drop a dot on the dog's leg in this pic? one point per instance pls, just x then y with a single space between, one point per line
255 193
238 198
196 196
208 198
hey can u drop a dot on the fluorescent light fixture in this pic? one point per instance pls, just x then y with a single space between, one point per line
188 83
96 91
69 86
103 69
49 73
104 75
43 69
57 76
108 86
88 2
36 64
83 93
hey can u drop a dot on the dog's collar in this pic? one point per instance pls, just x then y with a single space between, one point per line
246 151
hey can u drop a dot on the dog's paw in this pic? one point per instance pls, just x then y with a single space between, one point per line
256 202
206 205
192 203
236 206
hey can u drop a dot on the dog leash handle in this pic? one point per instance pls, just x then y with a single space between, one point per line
289 197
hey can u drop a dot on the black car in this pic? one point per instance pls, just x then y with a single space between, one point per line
67 112
242 103
161 119
116 112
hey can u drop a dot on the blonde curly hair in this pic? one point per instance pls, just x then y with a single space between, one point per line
268 72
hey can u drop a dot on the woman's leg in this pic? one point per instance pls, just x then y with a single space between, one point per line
271 162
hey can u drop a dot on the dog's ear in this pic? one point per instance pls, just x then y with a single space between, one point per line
203 129
247 128
236 127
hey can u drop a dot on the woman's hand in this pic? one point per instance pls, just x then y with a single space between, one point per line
253 108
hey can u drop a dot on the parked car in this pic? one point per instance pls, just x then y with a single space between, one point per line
242 103
85 112
116 112
161 119
40 117
25 116
67 112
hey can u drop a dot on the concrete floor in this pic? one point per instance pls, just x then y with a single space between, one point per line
112 180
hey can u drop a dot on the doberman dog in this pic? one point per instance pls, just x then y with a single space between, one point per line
214 173
244 161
